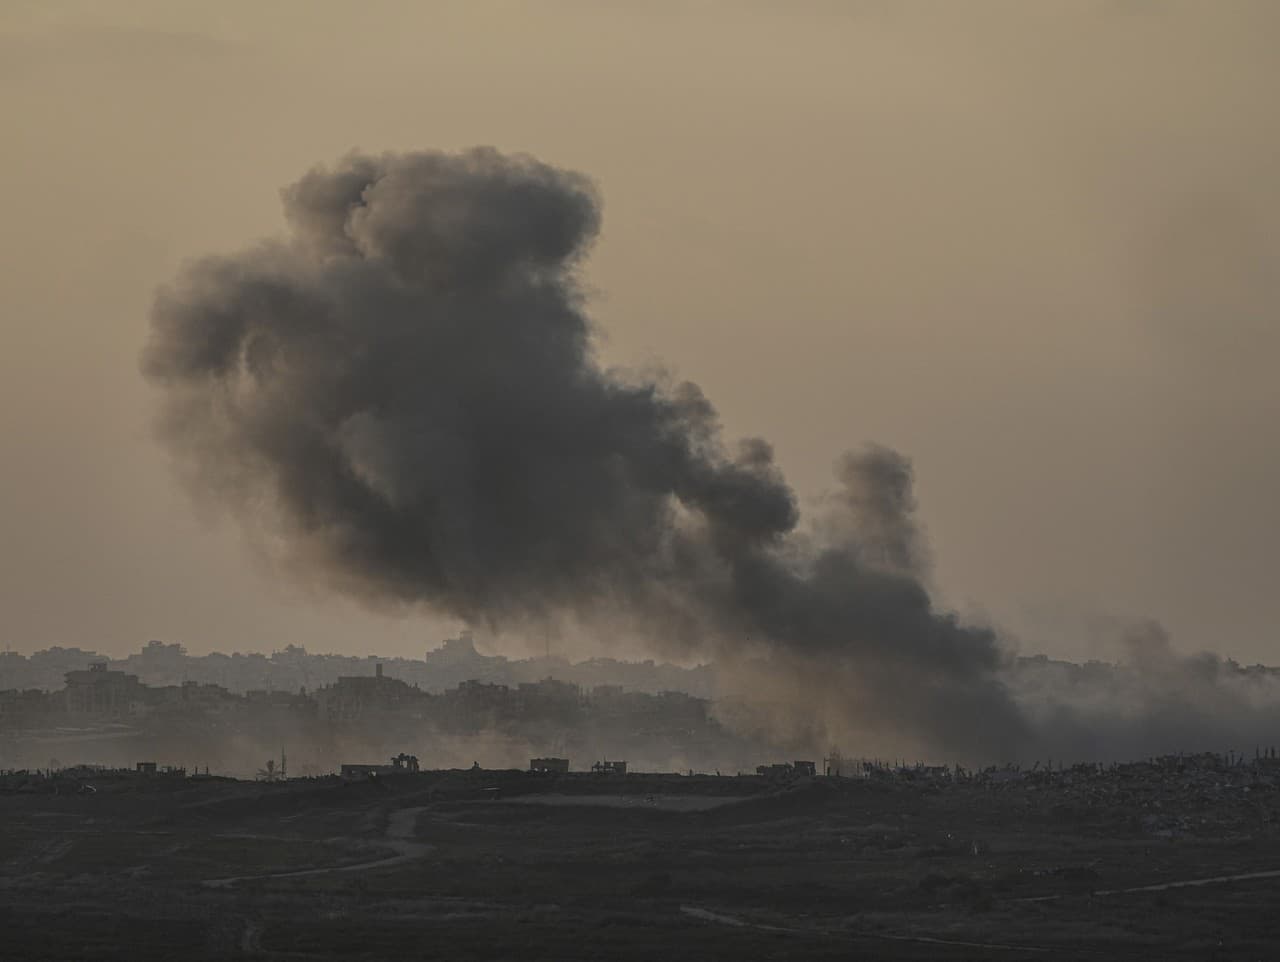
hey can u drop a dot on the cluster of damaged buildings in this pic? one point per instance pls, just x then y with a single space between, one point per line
288 669
100 695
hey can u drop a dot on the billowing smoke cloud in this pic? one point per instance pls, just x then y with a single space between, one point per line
403 396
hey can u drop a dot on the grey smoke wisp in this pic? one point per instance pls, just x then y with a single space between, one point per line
403 397
1152 701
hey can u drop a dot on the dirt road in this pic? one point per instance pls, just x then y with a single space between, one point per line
400 829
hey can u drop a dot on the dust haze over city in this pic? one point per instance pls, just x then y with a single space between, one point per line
703 384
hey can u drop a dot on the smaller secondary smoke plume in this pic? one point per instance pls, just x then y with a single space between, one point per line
1154 701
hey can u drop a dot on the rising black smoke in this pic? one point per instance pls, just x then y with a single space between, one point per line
404 397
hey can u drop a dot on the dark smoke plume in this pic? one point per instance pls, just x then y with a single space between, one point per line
404 397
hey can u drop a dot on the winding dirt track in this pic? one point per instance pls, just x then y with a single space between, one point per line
1165 886
1191 883
708 916
400 828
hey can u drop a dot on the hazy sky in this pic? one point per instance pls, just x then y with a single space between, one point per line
1034 246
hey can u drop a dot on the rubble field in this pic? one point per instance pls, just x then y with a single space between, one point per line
1171 859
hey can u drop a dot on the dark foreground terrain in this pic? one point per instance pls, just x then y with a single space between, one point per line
506 865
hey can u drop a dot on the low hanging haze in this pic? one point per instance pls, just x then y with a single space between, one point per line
1034 247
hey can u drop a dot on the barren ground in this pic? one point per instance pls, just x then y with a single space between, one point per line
484 865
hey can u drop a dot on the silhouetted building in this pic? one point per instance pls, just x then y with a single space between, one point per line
778 770
401 764
405 763
101 692
354 697
833 765
19 709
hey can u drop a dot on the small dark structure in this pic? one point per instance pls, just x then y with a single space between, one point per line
607 767
401 764
782 770
549 766
779 770
146 768
833 765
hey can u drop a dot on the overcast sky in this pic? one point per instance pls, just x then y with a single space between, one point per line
1033 246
